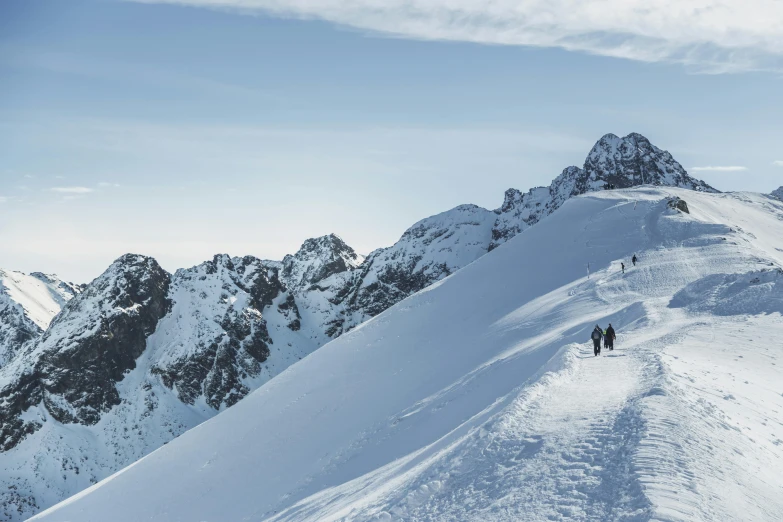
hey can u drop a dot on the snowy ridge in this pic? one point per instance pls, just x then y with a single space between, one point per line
778 193
479 397
613 162
27 305
430 250
225 327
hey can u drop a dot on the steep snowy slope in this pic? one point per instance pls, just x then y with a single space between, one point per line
233 323
27 305
479 399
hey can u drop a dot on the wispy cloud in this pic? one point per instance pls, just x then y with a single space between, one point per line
72 190
3 199
105 184
721 168
778 163
715 36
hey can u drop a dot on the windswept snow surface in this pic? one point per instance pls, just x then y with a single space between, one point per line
479 397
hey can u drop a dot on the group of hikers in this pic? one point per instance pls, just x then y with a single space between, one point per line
633 260
607 335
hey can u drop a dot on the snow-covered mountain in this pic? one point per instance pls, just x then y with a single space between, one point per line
170 351
778 193
612 162
27 305
479 398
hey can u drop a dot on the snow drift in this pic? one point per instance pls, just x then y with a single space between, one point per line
478 399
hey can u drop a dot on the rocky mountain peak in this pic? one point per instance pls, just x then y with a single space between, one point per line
317 259
511 198
73 367
778 194
630 161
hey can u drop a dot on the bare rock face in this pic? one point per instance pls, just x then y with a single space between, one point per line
632 161
316 260
678 204
612 163
777 194
216 338
73 368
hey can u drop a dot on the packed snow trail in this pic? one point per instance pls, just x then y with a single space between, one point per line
480 399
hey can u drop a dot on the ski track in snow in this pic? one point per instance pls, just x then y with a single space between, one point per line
682 421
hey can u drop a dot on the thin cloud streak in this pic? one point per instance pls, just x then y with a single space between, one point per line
728 168
72 190
713 36
778 163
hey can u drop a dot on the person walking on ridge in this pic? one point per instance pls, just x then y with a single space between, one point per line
622 265
596 336
609 337
633 260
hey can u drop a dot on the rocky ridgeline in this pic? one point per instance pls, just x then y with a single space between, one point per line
778 194
139 355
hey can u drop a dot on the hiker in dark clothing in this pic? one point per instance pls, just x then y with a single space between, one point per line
622 265
609 338
633 260
596 336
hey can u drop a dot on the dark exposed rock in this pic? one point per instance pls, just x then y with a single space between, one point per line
232 340
291 312
678 204
74 367
613 162
316 260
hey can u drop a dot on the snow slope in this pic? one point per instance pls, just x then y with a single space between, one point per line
479 398
27 305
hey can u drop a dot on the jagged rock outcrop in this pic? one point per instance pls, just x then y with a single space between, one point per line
215 338
316 260
678 204
777 194
73 368
613 162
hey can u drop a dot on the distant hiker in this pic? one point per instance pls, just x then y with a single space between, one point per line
633 260
596 336
622 265
609 338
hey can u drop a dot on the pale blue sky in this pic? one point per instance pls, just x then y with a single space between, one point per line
181 131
